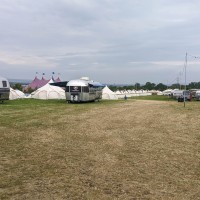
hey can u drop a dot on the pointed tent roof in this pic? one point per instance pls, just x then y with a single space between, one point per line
118 92
37 83
34 84
108 94
57 80
43 82
49 92
51 81
16 94
106 89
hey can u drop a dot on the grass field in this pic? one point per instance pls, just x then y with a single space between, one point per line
134 149
154 97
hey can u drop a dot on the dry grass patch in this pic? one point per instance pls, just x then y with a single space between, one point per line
122 150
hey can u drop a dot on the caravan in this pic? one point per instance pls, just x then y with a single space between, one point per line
81 90
4 89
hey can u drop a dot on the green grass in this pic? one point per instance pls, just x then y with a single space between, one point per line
103 150
154 97
19 111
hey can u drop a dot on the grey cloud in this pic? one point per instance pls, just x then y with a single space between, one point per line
112 33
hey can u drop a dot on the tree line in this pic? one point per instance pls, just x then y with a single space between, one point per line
153 86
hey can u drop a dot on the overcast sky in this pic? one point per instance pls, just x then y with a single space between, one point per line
111 41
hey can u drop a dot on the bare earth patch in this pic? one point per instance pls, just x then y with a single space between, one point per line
126 150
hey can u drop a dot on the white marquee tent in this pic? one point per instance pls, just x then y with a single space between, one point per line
16 94
108 94
49 92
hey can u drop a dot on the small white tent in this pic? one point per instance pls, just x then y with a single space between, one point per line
108 94
49 92
16 94
119 94
167 92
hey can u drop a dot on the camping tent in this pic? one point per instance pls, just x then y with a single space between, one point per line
119 94
34 84
167 92
16 94
49 92
108 94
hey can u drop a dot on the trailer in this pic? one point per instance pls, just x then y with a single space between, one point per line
81 90
4 89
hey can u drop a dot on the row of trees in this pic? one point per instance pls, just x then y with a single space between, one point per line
153 86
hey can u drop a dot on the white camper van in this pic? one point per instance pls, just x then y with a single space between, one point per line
4 89
81 90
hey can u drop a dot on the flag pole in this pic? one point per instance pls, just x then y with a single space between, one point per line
185 76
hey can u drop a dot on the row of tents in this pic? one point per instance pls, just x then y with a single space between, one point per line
53 92
43 90
46 92
109 94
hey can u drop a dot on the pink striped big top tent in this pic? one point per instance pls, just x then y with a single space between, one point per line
38 83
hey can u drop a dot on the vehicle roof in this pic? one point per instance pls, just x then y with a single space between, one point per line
77 82
81 82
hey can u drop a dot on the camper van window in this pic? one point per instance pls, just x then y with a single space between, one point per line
4 83
75 88
85 89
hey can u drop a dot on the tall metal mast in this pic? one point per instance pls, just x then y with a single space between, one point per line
185 76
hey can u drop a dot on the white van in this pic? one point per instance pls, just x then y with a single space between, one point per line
4 89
